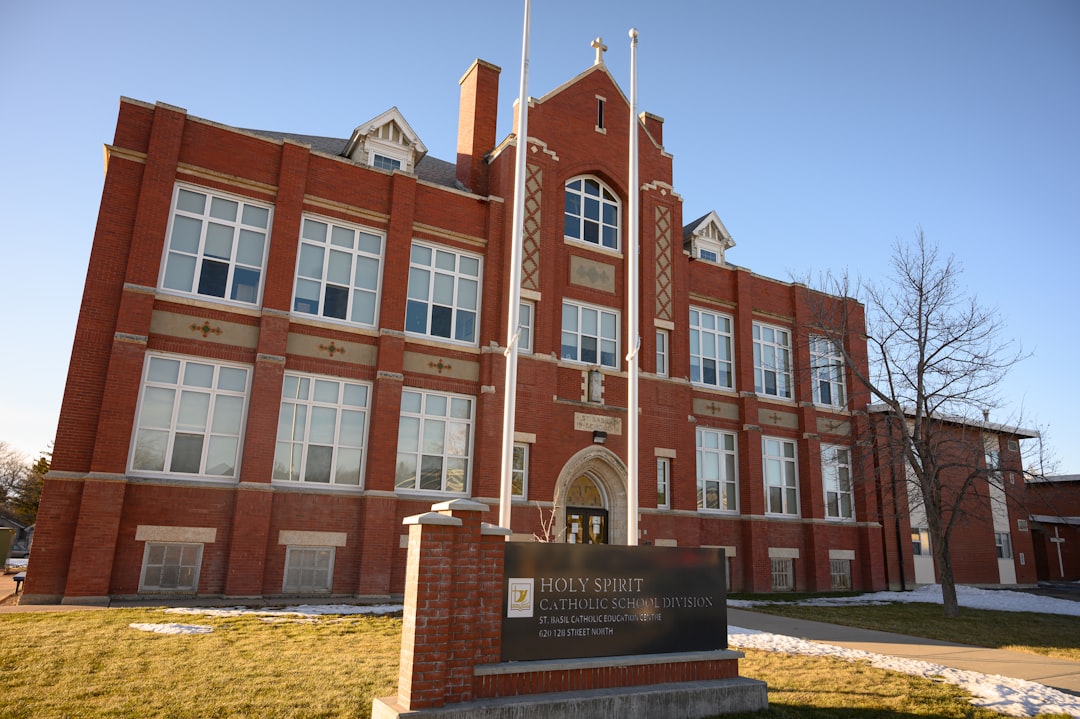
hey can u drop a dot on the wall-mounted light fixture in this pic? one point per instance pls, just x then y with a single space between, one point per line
599 436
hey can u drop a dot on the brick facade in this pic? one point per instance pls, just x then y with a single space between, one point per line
96 498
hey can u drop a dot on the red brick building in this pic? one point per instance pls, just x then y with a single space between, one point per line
1054 503
982 486
288 343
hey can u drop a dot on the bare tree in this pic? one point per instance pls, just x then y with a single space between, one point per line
13 469
936 358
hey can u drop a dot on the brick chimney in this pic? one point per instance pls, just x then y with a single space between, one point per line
655 126
476 124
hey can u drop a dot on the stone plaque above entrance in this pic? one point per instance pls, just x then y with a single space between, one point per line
593 422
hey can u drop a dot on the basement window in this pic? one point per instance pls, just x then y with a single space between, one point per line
170 567
308 570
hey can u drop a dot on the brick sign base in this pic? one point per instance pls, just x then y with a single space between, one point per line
451 646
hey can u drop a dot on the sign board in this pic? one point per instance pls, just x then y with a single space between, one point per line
571 601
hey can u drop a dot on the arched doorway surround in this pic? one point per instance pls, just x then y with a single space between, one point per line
608 473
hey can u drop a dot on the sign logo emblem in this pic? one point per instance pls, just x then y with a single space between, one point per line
519 601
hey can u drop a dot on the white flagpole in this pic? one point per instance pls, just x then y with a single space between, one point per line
632 321
513 310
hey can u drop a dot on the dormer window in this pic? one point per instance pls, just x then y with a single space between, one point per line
707 239
386 142
384 163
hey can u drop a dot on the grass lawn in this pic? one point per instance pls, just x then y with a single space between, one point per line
91 664
1052 635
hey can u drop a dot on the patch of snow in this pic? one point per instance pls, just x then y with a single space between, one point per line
172 628
1012 697
302 610
1002 600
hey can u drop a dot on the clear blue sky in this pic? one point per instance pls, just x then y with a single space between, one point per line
820 132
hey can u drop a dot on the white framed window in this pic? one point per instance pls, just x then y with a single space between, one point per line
526 320
308 570
717 476
170 566
519 479
590 334
836 476
663 483
920 542
708 255
783 574
662 353
322 431
338 271
444 293
190 418
1003 544
781 476
592 213
216 246
840 575
385 163
434 442
772 361
827 371
710 349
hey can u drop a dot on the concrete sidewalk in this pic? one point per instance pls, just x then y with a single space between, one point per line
1057 673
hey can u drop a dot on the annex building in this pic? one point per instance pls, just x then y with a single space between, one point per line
288 343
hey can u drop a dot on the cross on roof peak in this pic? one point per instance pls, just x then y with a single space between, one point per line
601 48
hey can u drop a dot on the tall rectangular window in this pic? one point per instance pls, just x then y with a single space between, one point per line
781 476
526 320
663 483
190 418
836 475
519 481
434 442
308 570
1003 543
827 372
590 335
337 272
444 293
170 566
322 431
710 349
662 353
920 542
216 246
717 479
772 361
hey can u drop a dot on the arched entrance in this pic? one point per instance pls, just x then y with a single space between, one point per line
590 498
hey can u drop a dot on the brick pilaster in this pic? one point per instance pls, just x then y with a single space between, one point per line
453 599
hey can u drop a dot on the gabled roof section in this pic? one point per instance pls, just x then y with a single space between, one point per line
709 234
388 135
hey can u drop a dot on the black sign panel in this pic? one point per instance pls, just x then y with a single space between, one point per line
569 601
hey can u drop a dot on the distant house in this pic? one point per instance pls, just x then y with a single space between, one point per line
24 535
1054 503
